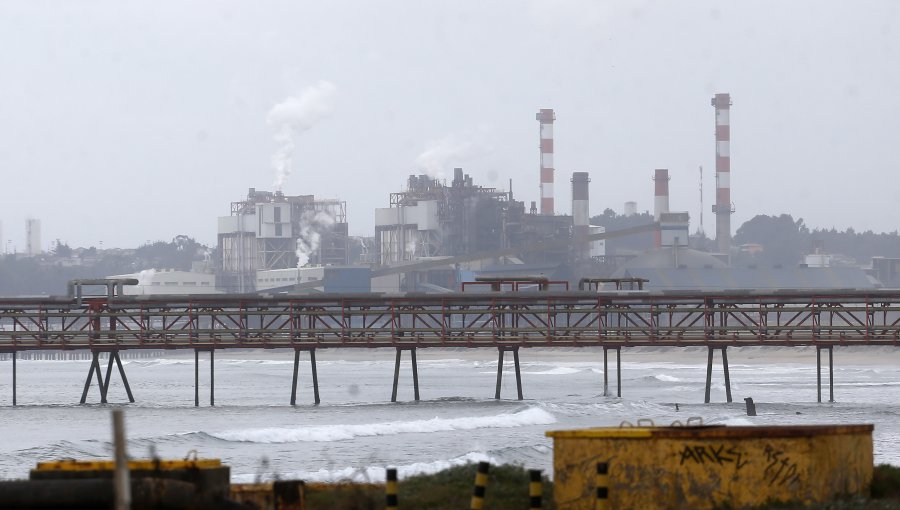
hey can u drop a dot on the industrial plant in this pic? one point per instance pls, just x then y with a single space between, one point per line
435 235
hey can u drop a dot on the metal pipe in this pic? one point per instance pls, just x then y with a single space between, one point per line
99 377
315 376
709 360
818 374
605 374
87 382
415 372
124 379
294 383
396 376
831 374
727 378
499 373
619 372
518 372
196 378
105 389
212 377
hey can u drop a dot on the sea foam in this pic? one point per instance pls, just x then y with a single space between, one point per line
341 432
369 474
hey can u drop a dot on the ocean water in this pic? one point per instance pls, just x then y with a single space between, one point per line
356 431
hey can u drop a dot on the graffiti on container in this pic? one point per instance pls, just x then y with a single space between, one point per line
780 470
718 454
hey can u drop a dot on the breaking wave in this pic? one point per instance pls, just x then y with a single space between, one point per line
341 432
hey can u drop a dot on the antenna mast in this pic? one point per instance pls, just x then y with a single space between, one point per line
702 231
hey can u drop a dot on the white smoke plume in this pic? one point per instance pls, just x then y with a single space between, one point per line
293 116
312 224
441 156
145 277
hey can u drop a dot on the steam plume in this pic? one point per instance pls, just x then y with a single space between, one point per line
311 226
293 116
441 155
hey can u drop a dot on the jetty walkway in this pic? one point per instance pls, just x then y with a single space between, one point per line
506 321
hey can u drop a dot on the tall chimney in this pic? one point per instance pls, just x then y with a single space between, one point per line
722 208
581 212
660 200
661 197
546 118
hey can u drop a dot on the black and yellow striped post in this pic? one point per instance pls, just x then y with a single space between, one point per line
535 490
481 480
602 486
390 489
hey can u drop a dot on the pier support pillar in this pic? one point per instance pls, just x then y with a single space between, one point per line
618 371
315 378
415 373
515 351
14 378
830 350
103 384
709 364
727 378
196 378
212 377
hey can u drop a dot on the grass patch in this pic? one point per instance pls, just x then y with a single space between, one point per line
886 482
451 488
507 489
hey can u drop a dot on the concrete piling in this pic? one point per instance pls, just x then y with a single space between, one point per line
751 407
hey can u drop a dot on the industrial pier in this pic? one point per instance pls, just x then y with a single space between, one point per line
496 319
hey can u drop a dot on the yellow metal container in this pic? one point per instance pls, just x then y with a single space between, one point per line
673 468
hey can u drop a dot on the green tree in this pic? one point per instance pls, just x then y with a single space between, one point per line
784 240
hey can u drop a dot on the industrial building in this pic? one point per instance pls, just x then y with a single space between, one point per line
434 234
271 231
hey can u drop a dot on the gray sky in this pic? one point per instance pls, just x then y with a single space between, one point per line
124 122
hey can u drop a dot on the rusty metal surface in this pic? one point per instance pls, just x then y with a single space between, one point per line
709 467
547 319
713 431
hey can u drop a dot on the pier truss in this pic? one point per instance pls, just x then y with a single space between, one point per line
502 320
524 319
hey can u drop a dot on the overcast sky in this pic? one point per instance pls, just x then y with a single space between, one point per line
123 122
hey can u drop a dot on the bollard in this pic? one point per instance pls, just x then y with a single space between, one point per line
390 489
602 486
751 407
535 490
481 479
121 478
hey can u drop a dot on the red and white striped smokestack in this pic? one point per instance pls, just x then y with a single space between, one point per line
661 197
722 208
546 118
660 200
